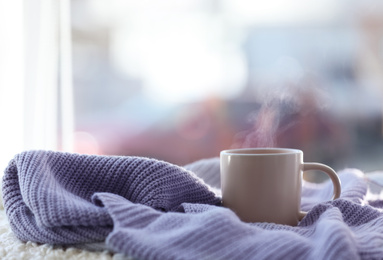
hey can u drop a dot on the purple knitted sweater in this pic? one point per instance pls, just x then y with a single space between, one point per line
150 209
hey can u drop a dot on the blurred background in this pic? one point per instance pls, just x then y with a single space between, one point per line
183 80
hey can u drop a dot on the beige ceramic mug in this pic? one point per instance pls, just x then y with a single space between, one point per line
264 184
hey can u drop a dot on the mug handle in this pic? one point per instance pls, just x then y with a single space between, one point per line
330 172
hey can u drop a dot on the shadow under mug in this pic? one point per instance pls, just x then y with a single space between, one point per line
264 184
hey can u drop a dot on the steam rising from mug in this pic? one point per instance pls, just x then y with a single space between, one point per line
281 106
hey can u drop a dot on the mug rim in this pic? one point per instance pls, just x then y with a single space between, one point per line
262 151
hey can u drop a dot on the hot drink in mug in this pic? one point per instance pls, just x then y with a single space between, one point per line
264 184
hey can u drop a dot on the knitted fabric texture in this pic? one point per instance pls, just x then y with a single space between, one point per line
148 209
48 195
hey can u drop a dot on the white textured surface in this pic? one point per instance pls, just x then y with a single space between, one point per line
12 248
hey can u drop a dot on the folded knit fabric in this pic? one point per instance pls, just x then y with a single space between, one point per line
48 195
149 209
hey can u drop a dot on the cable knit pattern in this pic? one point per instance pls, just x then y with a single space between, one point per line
148 209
